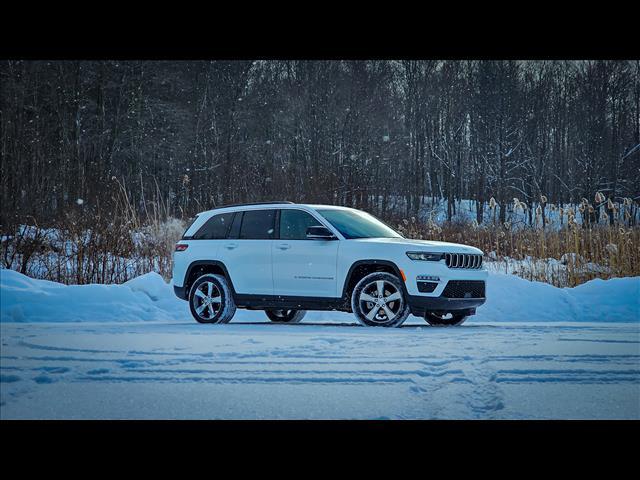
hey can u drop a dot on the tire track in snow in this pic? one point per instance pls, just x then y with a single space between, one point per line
574 376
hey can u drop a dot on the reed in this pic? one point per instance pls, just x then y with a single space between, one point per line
110 243
557 249
125 238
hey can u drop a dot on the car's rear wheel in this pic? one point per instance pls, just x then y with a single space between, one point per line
210 299
447 319
285 316
378 300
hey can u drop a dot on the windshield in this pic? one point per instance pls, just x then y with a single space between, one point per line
357 224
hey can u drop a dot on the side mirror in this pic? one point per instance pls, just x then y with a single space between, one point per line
320 233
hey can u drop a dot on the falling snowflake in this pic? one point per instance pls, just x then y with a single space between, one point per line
79 201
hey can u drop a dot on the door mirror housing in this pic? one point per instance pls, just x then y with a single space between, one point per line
318 232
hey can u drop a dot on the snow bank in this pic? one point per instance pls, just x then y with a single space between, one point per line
149 298
511 298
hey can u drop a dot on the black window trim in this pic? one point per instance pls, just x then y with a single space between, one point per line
233 220
276 221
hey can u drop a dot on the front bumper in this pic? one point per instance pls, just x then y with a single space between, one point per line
181 292
420 304
415 269
435 301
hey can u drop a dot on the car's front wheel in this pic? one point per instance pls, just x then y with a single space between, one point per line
448 319
210 299
285 316
378 301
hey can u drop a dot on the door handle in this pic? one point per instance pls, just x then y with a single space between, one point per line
283 246
230 246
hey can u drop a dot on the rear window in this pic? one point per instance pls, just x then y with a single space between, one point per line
257 225
215 228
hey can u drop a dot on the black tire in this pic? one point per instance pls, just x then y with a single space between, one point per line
216 288
373 307
450 319
285 316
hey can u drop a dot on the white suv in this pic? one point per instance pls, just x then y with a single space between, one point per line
286 258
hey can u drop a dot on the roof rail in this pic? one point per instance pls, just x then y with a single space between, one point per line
254 203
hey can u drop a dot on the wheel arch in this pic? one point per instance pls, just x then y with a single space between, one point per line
203 267
361 268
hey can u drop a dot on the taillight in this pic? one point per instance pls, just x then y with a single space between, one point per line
181 247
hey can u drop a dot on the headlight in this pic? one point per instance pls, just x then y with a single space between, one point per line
425 256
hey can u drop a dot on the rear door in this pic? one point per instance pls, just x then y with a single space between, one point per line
303 267
247 251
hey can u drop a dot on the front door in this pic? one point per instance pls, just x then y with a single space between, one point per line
303 267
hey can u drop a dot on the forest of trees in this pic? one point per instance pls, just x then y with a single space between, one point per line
357 133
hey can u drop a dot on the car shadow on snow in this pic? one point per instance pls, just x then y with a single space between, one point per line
330 324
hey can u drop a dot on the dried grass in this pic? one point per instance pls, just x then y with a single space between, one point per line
115 244
105 245
573 253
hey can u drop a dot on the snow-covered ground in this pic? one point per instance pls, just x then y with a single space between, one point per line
133 351
310 371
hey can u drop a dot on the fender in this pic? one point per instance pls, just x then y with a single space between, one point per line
215 263
372 261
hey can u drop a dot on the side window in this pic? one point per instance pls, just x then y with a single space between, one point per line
257 225
294 223
214 228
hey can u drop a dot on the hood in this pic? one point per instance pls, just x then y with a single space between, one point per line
426 245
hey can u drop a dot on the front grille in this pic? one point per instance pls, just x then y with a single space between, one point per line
463 260
427 287
464 289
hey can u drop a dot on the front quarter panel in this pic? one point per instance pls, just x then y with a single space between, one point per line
352 251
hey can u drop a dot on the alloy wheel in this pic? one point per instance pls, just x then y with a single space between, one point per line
380 301
207 300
